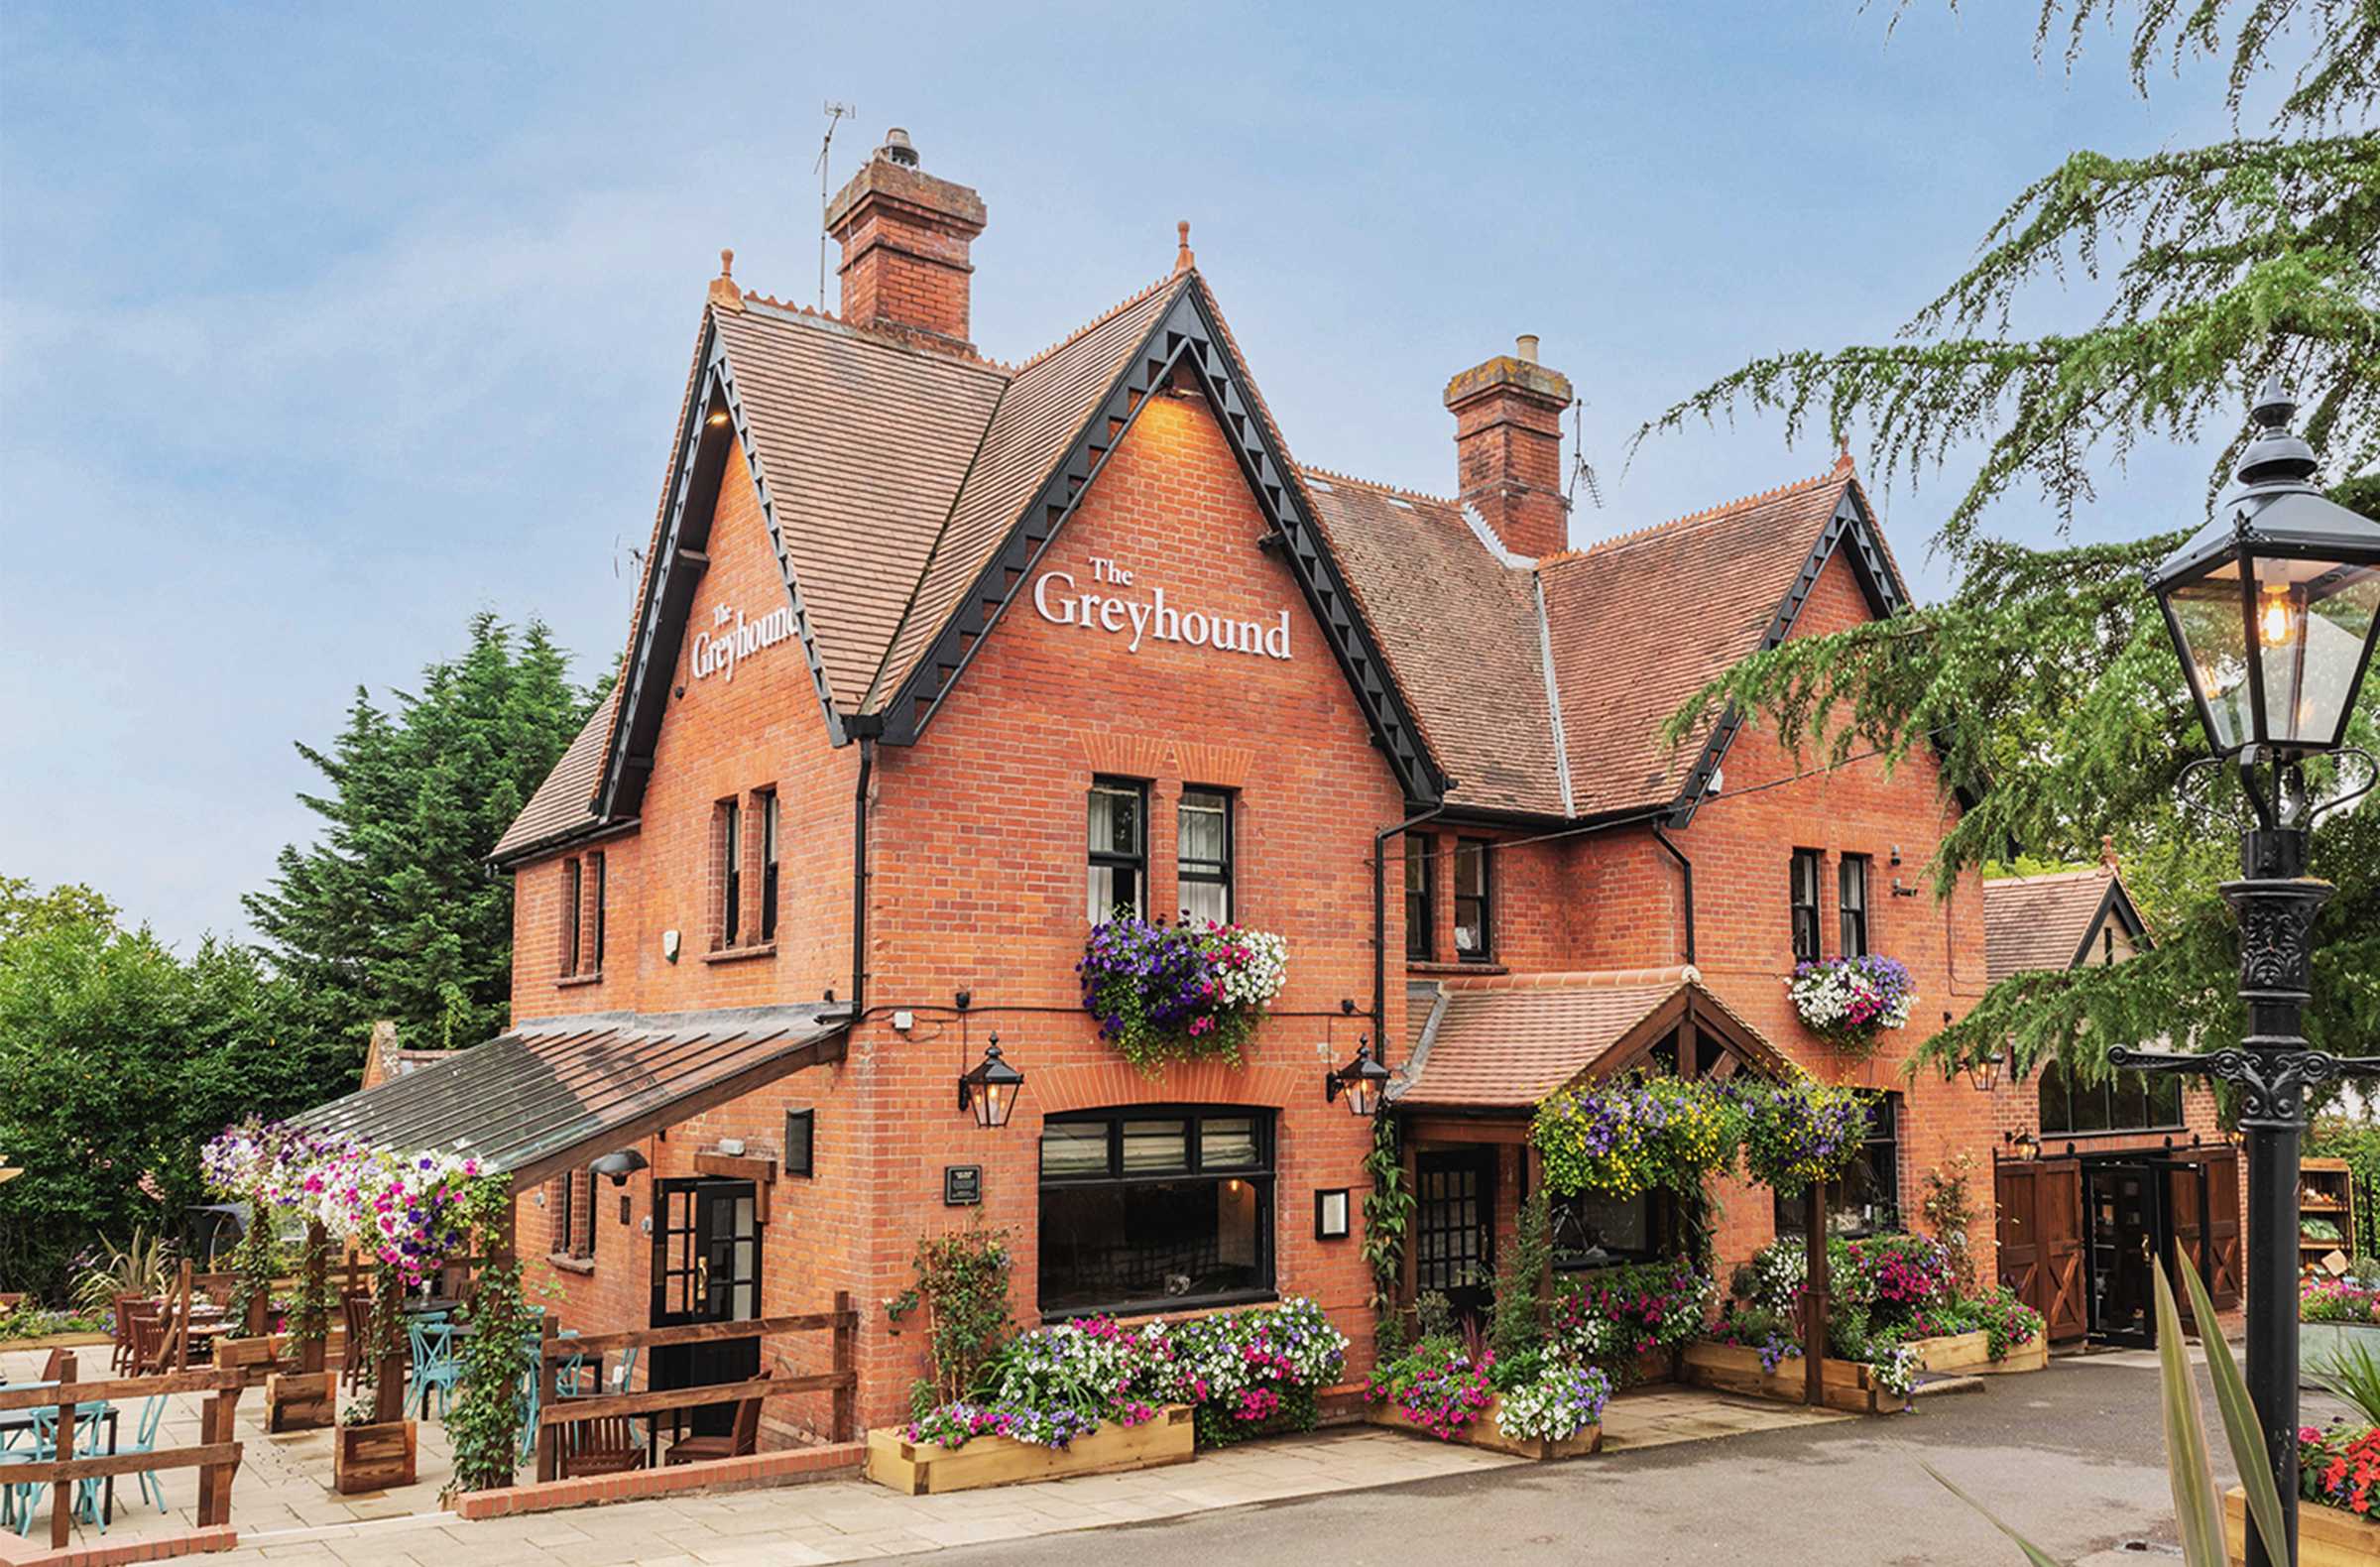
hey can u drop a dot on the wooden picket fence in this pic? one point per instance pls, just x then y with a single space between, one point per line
555 1412
216 1456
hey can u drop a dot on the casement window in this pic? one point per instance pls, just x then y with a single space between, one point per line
573 1198
768 851
2122 1102
1475 905
1803 894
731 872
1851 903
1868 1200
571 906
1119 847
1421 912
1203 855
596 876
1151 1208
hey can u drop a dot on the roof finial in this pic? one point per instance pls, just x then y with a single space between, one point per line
724 292
1842 456
2107 860
1183 261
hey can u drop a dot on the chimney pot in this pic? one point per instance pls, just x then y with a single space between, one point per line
905 235
1509 449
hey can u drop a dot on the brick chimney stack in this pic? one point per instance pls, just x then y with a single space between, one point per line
904 235
1509 449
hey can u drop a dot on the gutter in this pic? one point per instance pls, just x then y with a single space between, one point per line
1686 873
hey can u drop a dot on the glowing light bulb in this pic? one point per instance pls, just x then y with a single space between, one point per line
2276 624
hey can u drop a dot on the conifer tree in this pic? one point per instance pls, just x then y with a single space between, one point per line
393 912
2046 684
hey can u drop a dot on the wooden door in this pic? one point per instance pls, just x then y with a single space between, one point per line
2223 1245
2040 1228
1453 1227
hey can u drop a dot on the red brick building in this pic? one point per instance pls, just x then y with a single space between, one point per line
936 656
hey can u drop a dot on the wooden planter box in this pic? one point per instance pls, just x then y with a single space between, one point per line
57 1341
301 1401
1482 1433
2326 1537
1972 1352
918 1469
260 1353
1731 1367
372 1457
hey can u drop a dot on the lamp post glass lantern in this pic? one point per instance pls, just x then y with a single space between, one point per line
992 1089
2273 608
1362 1080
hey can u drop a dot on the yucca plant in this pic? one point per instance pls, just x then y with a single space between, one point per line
2190 1464
2352 1373
139 1268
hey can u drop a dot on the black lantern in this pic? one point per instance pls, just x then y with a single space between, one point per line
618 1167
992 1089
2275 604
1362 1080
1984 1075
2026 1144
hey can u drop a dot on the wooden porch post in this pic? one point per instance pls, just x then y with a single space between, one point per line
182 1319
1814 1303
1532 1182
1408 1262
846 1420
549 1437
316 1286
61 1494
387 1391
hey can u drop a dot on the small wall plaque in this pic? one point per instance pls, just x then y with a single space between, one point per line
962 1185
1330 1214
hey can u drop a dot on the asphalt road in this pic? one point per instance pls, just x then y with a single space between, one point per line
2073 1456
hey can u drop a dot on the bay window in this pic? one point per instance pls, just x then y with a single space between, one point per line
1150 1207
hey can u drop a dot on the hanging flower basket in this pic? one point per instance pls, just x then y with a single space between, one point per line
1624 1138
1164 992
1850 1002
1801 1132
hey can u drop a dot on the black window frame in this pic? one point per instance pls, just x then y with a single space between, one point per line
1853 869
731 855
2160 1093
1481 854
1263 1174
571 904
1806 865
565 1220
1421 909
1208 873
1892 1110
1657 1224
801 1144
602 874
769 816
1135 862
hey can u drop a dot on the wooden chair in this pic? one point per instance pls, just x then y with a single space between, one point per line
355 1319
54 1366
120 1363
151 1339
607 1445
742 1443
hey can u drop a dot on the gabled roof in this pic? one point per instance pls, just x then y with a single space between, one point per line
2052 921
563 806
1505 1043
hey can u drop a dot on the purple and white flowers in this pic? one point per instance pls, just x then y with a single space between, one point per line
1565 1399
1849 1000
1187 990
407 1210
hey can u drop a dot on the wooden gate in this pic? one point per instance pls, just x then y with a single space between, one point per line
2041 1241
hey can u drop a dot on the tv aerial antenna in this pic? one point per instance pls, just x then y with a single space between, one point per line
1581 470
836 113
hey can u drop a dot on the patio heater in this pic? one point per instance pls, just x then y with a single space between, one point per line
2274 607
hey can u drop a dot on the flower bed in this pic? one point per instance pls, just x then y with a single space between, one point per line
1070 1398
1549 1404
1849 1002
1162 992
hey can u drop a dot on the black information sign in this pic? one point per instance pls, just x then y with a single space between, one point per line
962 1185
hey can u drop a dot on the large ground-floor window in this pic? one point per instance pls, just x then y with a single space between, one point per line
1595 1229
1154 1208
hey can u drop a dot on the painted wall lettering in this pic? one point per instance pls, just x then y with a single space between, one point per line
1058 599
719 654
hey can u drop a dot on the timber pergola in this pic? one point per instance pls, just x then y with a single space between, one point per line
1494 1048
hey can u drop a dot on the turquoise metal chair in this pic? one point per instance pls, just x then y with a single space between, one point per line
436 1369
21 1499
144 1440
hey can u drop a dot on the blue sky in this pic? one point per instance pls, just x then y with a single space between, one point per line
323 327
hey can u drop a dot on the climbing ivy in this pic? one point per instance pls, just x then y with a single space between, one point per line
484 1425
1387 1215
962 1284
255 1261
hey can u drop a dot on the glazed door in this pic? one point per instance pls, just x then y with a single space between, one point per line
706 1268
2124 1208
1453 1227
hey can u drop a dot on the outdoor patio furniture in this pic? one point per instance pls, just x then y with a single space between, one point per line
21 1499
151 1338
120 1361
740 1443
436 1368
604 1446
54 1365
144 1440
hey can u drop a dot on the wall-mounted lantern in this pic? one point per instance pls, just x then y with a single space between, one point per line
1362 1080
992 1089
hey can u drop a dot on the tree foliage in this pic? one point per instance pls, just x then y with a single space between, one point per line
392 912
2222 265
2046 686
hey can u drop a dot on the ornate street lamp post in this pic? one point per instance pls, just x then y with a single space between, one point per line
2274 607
